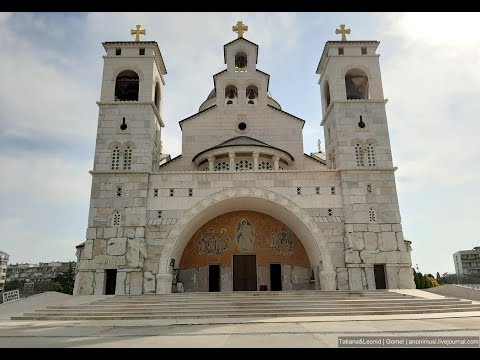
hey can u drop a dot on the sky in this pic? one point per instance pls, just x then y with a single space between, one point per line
51 67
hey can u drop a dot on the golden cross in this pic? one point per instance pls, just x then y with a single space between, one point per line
240 28
343 31
138 32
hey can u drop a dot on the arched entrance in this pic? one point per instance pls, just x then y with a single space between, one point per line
245 251
252 199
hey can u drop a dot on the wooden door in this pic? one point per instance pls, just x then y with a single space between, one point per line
244 273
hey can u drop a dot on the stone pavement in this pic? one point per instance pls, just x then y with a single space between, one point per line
293 333
278 332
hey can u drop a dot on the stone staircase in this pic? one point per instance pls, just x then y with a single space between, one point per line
251 305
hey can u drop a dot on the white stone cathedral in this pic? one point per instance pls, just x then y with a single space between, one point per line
243 207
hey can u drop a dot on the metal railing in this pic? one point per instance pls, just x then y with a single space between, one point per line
9 296
462 280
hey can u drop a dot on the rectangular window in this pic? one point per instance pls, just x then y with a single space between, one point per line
159 214
190 192
317 190
364 51
141 51
332 190
172 191
340 51
330 212
119 191
155 192
118 52
299 191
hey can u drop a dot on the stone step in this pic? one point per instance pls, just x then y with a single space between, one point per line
159 299
298 304
251 304
315 293
240 310
123 316
247 300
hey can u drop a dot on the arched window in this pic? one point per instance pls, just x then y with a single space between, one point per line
115 158
327 95
116 218
243 165
356 84
241 62
252 95
231 95
371 215
222 166
371 155
157 96
127 158
265 165
359 154
126 86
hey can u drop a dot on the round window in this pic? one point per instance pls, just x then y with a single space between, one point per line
242 126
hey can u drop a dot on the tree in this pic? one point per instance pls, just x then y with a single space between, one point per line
416 279
14 285
421 281
427 281
64 281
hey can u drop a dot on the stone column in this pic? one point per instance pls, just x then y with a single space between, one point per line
231 155
255 160
275 162
211 161
164 283
328 280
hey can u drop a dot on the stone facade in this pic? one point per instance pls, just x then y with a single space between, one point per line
242 153
467 262
3 268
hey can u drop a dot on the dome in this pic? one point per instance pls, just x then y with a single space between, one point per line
212 94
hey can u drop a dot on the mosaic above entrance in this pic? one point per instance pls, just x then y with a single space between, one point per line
243 232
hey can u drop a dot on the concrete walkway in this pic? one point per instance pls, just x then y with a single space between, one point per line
216 333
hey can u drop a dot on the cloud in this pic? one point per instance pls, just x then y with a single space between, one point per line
432 86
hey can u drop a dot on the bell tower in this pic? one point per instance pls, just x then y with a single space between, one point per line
128 149
130 106
357 145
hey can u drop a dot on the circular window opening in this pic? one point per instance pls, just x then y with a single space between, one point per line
242 126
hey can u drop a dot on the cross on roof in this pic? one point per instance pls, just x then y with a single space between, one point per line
240 28
138 32
343 31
